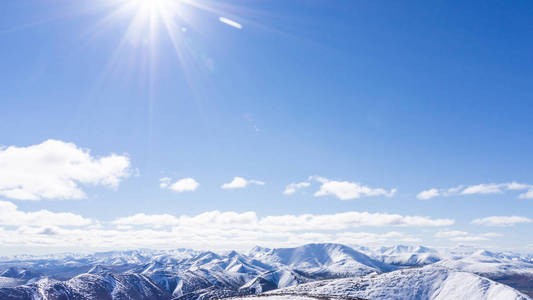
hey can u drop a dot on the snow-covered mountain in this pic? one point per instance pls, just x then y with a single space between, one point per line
511 269
406 256
490 263
322 259
430 282
274 280
89 286
378 273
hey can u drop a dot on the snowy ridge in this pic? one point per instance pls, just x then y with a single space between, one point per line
424 283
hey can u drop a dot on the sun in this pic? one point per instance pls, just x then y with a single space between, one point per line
148 10
149 27
154 10
147 17
149 6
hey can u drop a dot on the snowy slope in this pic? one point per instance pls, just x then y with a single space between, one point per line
431 282
511 269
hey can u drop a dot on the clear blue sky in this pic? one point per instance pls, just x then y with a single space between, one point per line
411 95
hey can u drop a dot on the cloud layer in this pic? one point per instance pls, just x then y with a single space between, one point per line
479 189
339 221
463 236
206 230
501 221
55 169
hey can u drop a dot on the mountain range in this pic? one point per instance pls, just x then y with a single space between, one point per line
324 271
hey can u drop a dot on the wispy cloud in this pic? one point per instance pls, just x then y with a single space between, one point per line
424 195
293 187
501 221
230 22
240 182
463 236
181 185
55 169
252 122
479 189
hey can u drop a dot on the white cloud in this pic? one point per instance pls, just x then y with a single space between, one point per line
143 219
339 221
11 216
527 195
469 238
220 219
240 182
479 189
450 234
125 238
501 220
210 230
490 188
54 170
230 22
463 236
182 185
346 220
431 193
346 190
164 182
293 187
364 238
203 220
492 234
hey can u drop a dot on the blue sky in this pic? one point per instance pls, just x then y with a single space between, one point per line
411 96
